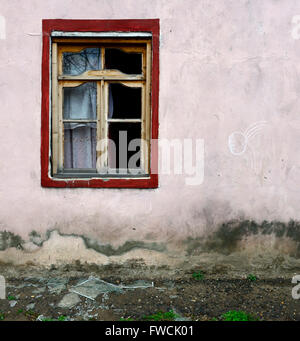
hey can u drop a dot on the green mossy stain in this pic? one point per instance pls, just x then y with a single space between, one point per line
226 238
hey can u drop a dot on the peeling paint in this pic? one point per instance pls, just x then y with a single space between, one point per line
106 249
10 240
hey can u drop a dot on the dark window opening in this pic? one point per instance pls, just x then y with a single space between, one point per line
126 138
124 102
129 63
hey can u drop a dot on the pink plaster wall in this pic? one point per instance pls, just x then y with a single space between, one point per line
224 65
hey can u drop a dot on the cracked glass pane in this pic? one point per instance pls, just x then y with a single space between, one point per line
130 63
76 63
80 102
80 145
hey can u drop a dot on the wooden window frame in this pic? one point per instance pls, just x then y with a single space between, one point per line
129 35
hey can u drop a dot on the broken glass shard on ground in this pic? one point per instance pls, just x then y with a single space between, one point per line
57 285
140 284
93 287
2 288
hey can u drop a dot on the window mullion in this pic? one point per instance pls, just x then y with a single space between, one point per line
102 58
60 128
99 109
101 129
104 86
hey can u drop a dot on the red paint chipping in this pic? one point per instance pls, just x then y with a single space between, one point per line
140 25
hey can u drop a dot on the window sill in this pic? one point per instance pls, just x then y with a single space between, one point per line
68 180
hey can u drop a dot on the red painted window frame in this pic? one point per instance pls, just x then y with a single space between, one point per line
67 25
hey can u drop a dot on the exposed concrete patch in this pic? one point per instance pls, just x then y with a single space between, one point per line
65 249
55 250
105 249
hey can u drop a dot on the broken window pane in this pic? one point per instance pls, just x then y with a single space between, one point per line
80 145
130 63
80 102
75 63
124 101
122 134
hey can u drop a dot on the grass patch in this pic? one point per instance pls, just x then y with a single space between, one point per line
160 316
49 319
238 315
62 318
2 316
198 276
252 278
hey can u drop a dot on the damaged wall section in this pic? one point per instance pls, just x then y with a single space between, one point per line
230 245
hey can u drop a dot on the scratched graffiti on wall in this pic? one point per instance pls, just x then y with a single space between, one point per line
238 141
241 143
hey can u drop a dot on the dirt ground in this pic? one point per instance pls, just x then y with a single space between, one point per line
133 292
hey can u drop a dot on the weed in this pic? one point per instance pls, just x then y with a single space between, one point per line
49 319
198 275
11 298
20 311
160 316
2 316
238 315
252 278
